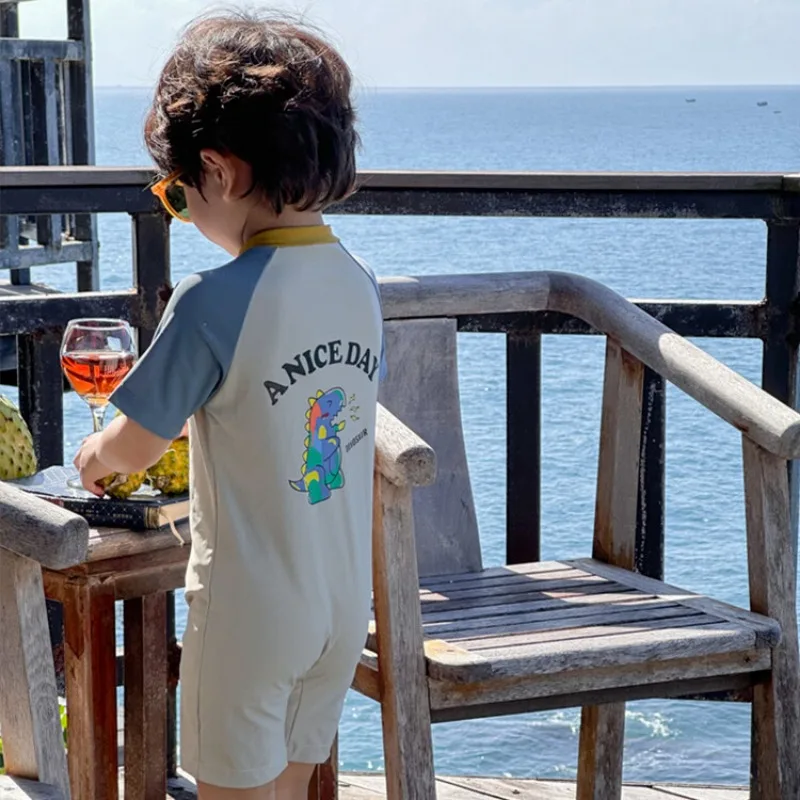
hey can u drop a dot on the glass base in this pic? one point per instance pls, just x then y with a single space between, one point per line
75 483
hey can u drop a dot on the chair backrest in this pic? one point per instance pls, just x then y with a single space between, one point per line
421 389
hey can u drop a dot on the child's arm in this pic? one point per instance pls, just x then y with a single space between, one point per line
124 446
177 375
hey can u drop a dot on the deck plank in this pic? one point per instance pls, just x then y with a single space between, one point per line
673 792
371 786
501 789
17 789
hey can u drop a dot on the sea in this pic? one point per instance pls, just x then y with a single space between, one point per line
687 129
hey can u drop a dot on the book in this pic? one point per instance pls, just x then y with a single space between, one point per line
145 509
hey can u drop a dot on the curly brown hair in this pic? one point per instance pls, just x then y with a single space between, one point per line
268 90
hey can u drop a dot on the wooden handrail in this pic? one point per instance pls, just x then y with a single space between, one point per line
402 457
54 176
758 415
40 530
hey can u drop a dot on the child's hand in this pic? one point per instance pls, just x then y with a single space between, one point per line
184 430
89 465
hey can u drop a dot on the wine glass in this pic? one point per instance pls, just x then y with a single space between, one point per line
96 355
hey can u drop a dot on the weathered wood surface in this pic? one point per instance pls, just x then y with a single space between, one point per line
618 462
372 786
110 544
35 312
452 701
600 749
325 780
405 713
602 729
773 591
17 789
33 746
421 389
39 255
551 194
401 456
145 696
542 618
461 180
39 530
751 410
767 629
90 661
41 49
8 289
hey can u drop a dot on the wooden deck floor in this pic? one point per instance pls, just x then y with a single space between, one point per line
371 787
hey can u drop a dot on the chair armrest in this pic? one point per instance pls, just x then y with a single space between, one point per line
41 530
759 416
402 457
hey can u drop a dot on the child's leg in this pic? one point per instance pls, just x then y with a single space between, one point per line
291 784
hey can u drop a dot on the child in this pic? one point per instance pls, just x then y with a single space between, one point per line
274 359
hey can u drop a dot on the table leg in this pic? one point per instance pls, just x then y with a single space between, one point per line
146 697
90 661
325 781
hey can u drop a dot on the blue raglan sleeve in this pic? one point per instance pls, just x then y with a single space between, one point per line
180 370
366 267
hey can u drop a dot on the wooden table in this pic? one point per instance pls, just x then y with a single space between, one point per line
139 568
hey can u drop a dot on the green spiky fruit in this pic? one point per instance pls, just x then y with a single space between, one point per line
170 474
120 486
17 456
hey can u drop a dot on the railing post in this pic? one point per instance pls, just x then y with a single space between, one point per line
41 388
11 137
650 508
779 368
779 365
79 103
151 276
151 270
523 447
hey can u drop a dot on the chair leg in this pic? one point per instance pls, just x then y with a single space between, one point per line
600 752
33 745
773 592
776 737
325 780
408 751
402 676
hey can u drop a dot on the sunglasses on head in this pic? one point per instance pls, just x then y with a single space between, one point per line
172 194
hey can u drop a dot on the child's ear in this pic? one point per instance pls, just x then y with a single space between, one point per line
219 172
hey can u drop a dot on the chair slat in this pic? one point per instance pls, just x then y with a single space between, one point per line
421 389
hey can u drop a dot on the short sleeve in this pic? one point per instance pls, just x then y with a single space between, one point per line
178 373
366 267
382 369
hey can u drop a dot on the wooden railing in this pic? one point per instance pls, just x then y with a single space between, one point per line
774 198
46 118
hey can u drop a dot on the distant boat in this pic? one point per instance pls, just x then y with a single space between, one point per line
691 100
762 103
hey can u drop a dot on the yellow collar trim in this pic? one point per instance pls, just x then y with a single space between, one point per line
291 237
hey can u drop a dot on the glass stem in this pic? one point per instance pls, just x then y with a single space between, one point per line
98 417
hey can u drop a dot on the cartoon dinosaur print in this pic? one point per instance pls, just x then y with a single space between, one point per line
322 459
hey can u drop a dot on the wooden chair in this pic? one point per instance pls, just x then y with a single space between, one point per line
451 640
33 534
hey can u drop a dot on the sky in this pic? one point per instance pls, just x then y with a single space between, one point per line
482 43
